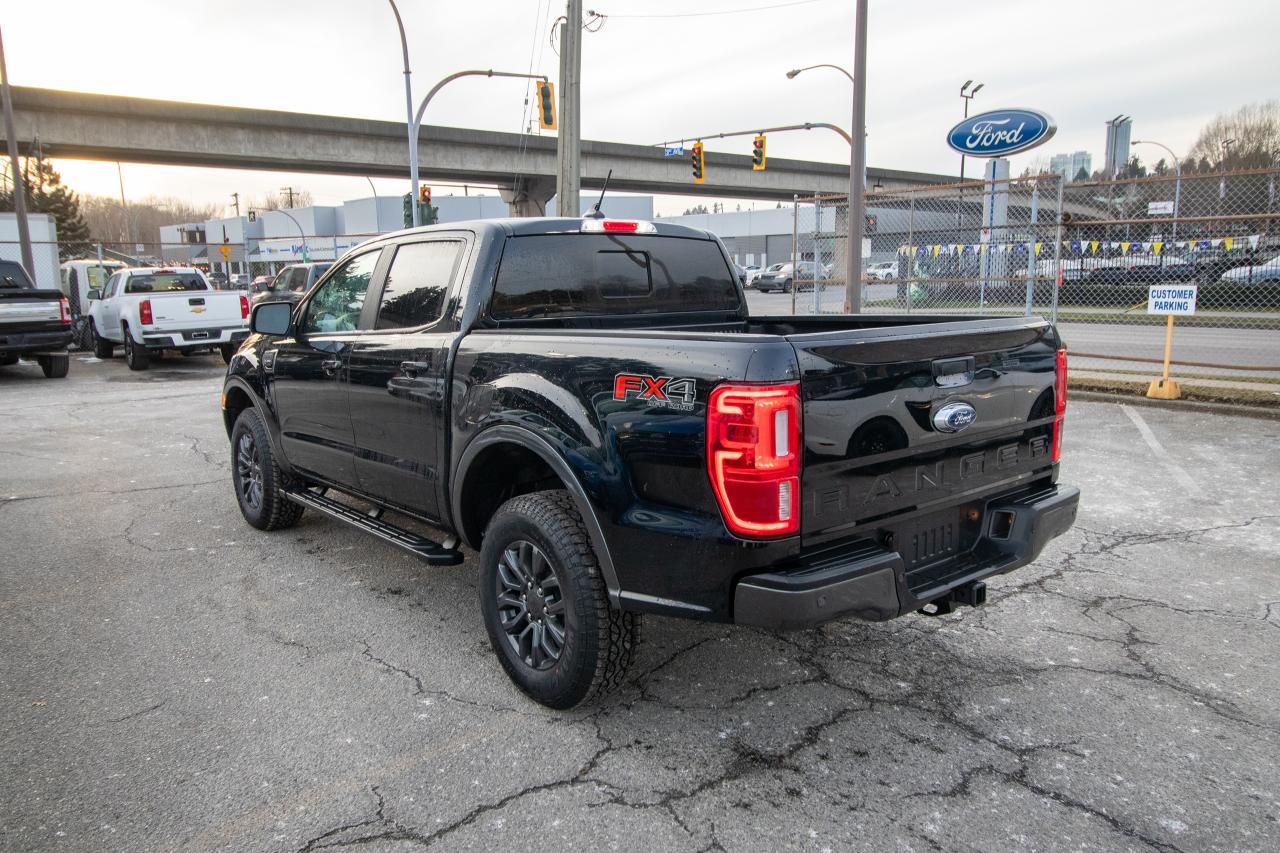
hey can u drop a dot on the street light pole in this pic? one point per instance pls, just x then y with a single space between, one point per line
415 121
857 177
19 183
408 114
857 165
1177 181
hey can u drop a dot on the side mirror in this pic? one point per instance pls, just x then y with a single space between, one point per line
94 295
271 318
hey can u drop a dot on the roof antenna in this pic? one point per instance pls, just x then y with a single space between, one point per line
596 213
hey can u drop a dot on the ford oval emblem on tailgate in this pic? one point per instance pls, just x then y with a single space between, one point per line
954 417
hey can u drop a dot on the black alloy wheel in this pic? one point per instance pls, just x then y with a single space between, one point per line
530 604
249 470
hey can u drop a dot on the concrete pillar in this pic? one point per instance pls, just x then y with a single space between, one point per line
528 196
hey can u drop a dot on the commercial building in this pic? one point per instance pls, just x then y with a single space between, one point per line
1069 165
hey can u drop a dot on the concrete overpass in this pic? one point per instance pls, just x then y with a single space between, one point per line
138 130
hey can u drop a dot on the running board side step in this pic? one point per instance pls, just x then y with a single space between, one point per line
435 553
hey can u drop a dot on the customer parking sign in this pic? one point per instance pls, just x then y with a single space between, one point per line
1171 299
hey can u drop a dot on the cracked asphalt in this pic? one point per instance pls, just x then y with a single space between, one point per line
173 679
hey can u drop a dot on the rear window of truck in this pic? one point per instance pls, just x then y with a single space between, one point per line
164 283
580 275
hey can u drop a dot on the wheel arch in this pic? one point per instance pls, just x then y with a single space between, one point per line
506 449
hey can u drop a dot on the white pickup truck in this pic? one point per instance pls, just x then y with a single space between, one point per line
148 309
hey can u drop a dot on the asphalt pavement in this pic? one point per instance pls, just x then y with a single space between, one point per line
174 679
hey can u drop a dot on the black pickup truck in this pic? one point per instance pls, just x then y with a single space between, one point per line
34 323
590 405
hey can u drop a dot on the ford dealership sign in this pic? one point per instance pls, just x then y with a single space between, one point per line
1001 132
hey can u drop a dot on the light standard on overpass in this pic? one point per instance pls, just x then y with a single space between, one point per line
408 110
415 122
857 186
1177 180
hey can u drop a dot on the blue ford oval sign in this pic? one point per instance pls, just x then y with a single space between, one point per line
954 417
1001 132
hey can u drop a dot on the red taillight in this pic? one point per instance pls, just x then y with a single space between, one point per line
753 457
619 227
244 308
144 312
64 311
1059 401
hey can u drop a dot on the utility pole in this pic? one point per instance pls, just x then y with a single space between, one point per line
235 199
289 191
19 183
569 142
857 165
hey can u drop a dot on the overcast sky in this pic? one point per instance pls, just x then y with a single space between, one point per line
649 76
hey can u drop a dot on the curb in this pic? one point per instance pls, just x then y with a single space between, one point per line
1260 412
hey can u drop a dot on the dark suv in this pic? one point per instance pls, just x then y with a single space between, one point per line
292 282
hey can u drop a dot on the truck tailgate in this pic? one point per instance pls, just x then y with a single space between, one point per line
205 309
30 309
906 427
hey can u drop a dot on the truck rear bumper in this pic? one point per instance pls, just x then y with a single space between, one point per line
869 581
34 342
188 338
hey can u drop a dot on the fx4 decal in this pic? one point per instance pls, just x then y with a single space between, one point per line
655 390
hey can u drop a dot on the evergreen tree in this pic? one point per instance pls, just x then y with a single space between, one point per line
47 194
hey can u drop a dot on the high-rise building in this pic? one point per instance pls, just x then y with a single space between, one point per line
1069 165
1119 132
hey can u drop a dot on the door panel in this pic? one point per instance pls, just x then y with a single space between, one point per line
309 374
398 375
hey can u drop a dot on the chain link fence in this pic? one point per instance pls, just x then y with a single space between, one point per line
1083 253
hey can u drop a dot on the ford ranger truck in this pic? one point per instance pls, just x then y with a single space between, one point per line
34 323
149 310
589 405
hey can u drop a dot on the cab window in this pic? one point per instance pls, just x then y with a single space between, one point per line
418 284
277 283
336 306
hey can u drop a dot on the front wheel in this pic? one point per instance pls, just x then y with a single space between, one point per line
545 605
257 478
786 286
54 366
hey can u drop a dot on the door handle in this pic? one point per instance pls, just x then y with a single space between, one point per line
330 365
411 369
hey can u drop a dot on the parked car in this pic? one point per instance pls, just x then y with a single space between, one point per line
34 323
292 282
260 283
753 272
741 274
217 279
782 276
79 276
239 281
883 270
1142 269
149 309
1254 273
590 405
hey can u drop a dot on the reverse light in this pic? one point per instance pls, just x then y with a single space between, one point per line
1059 401
753 457
144 312
64 311
244 308
617 226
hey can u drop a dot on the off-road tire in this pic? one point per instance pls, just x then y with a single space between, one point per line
273 510
135 354
600 642
102 348
54 366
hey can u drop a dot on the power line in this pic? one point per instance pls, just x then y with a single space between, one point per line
709 14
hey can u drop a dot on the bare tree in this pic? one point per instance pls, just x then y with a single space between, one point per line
110 223
280 201
1256 131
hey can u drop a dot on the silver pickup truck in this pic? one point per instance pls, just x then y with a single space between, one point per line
149 309
33 323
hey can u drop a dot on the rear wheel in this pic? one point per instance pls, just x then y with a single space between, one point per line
545 605
102 348
258 480
135 354
54 366
786 286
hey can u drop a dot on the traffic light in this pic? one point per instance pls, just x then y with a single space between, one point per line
546 96
757 154
699 161
424 195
